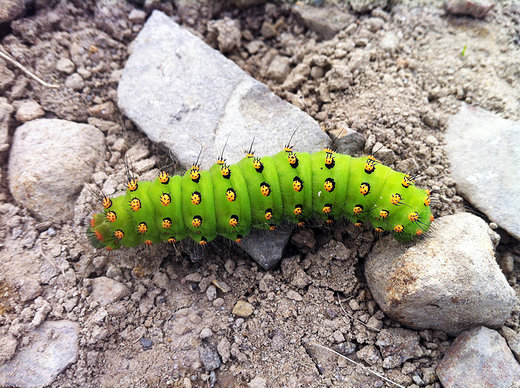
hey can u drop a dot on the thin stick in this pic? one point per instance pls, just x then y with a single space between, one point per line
26 71
360 365
51 261
351 316
339 7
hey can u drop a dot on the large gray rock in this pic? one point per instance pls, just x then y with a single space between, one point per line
52 348
478 358
484 151
185 95
49 163
449 281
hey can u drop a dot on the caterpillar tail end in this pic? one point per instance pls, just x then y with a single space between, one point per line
100 233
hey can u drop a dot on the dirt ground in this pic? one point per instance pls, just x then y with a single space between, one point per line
178 317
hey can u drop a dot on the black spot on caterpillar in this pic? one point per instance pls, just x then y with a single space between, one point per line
229 200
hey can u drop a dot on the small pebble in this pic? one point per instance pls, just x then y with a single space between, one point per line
243 309
146 343
66 66
221 285
29 289
137 16
193 277
268 30
205 333
75 82
219 302
209 356
294 296
29 110
211 293
161 280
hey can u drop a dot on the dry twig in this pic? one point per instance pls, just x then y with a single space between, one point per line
360 365
352 317
26 71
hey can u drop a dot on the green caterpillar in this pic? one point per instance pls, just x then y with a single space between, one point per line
229 200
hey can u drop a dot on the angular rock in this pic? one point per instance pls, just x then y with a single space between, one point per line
279 69
49 163
475 8
185 95
209 356
224 348
266 247
349 142
513 340
137 16
268 30
398 345
297 76
65 65
484 151
293 272
369 354
478 358
29 289
52 348
29 110
225 33
449 281
106 290
327 22
74 81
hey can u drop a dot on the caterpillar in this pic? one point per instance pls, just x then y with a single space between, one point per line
229 200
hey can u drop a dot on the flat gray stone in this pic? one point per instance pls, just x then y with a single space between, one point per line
478 358
266 247
49 162
484 151
448 281
52 348
186 96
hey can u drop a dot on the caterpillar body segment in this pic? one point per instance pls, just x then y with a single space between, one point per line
261 192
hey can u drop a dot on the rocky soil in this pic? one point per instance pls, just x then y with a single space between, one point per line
183 316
